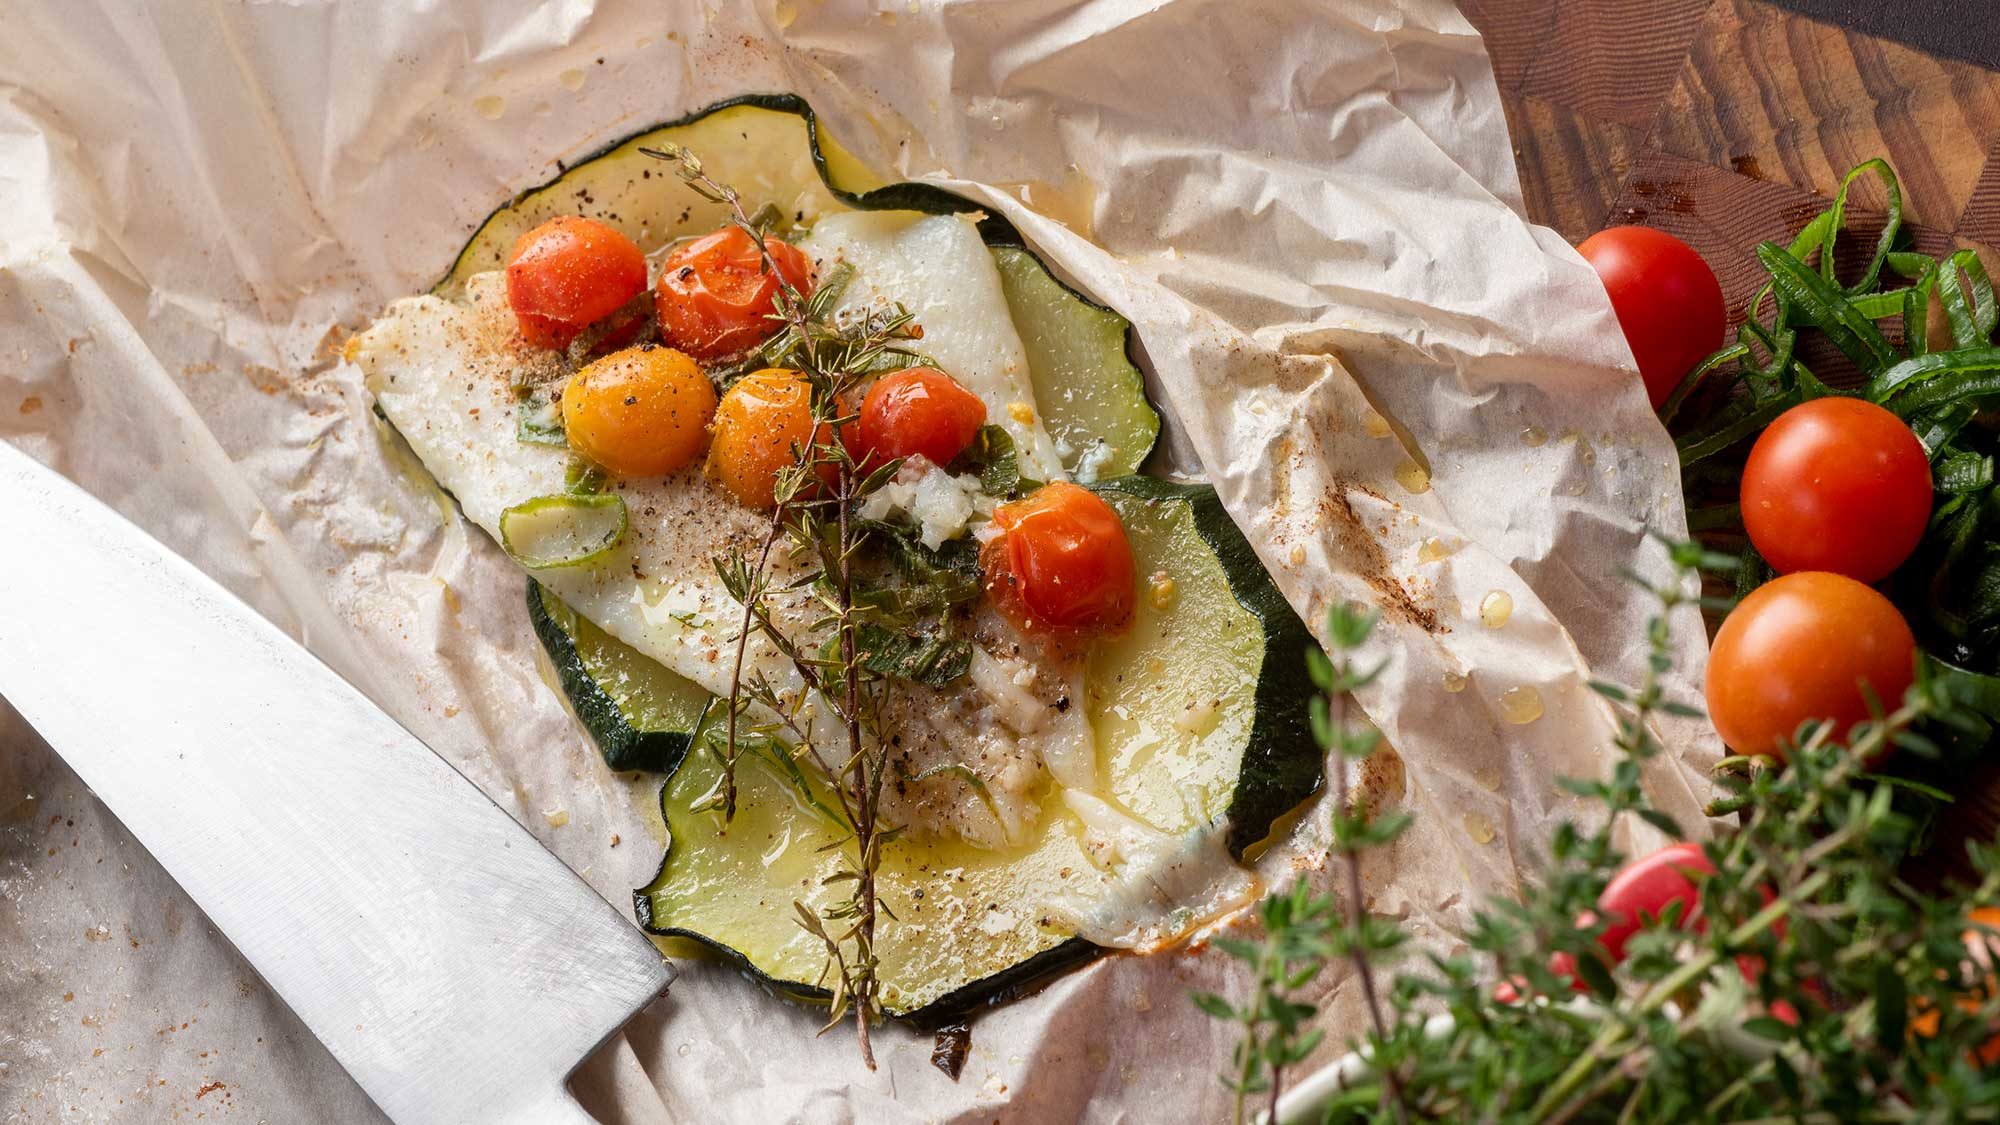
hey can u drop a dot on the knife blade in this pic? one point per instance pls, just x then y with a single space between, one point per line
452 965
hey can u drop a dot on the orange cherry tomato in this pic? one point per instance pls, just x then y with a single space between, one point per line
640 412
1666 298
918 411
569 273
1837 484
1800 648
1061 562
714 296
762 420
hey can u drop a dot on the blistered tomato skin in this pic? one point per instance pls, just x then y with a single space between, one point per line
639 412
1667 301
1061 563
569 273
762 420
1801 647
919 411
1837 484
715 298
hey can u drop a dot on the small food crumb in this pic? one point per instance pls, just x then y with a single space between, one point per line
1298 554
1021 412
1160 591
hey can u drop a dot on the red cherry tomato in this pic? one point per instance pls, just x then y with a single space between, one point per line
1837 484
1666 298
715 298
918 411
1800 647
569 273
1644 888
1061 562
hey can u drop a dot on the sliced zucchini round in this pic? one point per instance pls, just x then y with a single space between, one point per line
1200 716
641 716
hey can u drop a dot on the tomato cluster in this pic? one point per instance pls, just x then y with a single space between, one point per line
1059 560
1836 494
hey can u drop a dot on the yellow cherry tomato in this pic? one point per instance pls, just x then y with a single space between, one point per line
762 420
640 412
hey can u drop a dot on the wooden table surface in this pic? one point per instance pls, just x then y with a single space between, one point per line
1728 122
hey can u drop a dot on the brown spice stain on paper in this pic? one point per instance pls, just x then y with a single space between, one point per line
31 404
1364 553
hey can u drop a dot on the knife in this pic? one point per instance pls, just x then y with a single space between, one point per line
453 966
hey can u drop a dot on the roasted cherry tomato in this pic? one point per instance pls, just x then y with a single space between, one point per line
763 419
1061 561
715 297
1666 298
1801 647
918 411
1982 946
1837 484
569 273
639 412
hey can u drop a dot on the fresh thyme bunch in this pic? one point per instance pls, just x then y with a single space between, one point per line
1813 983
824 741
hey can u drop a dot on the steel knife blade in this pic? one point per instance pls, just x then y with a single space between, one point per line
453 966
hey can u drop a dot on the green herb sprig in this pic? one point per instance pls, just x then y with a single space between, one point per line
874 637
1797 997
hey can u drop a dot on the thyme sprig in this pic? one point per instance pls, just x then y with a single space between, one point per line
1818 985
815 521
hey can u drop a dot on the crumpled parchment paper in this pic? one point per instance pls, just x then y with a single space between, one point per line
1405 393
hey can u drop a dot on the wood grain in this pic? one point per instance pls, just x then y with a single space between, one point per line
1779 97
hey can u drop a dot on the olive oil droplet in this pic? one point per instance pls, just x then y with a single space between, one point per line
571 79
1479 828
492 106
1521 705
1376 425
1534 436
1454 683
1434 550
786 12
1413 476
1495 608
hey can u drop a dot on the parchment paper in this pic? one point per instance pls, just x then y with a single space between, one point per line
1309 211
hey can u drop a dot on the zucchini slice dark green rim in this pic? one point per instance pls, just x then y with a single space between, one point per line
1273 778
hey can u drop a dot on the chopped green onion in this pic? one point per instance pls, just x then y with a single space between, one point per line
563 530
1827 308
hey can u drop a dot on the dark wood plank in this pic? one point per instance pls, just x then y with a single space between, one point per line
1572 166
1788 99
1612 60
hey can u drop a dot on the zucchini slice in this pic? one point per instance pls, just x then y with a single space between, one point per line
1091 396
641 716
1200 716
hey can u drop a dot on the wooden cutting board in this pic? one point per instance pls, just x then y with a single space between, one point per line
1728 122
